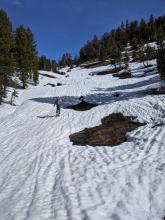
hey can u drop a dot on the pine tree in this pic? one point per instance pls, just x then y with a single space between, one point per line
13 96
48 65
135 44
42 63
22 50
144 31
149 54
126 60
152 29
35 70
96 45
54 66
76 61
103 54
141 56
106 44
82 55
160 35
66 60
116 54
32 53
7 66
161 64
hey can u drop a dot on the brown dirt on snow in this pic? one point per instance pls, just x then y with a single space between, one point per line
123 75
111 132
82 106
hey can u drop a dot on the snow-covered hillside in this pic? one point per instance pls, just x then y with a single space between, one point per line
44 177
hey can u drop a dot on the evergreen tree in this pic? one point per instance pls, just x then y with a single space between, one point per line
106 44
149 54
48 65
35 70
96 46
22 50
144 31
32 53
161 64
54 66
126 60
116 54
90 51
82 56
76 60
135 44
103 54
13 96
141 55
160 35
7 65
66 60
152 29
42 63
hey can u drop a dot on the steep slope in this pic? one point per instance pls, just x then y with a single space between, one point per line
43 176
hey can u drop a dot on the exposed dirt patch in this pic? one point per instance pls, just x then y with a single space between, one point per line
53 85
111 132
151 70
12 83
47 75
123 75
158 125
157 91
96 64
50 84
106 72
59 84
117 94
82 106
60 73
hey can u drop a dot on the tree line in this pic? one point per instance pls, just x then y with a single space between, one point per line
111 45
128 40
135 34
18 55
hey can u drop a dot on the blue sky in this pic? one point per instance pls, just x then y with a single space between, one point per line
65 25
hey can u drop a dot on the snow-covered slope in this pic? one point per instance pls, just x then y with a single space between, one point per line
44 177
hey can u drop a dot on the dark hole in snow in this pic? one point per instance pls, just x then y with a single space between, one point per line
111 132
117 94
157 91
47 75
50 84
59 84
123 75
82 106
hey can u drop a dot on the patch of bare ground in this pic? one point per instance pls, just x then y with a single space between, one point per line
82 106
96 64
47 75
53 85
124 75
50 84
106 72
157 91
111 132
158 125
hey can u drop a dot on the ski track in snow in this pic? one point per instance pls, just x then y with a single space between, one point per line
44 177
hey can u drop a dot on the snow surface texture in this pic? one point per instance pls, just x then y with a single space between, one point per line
44 177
